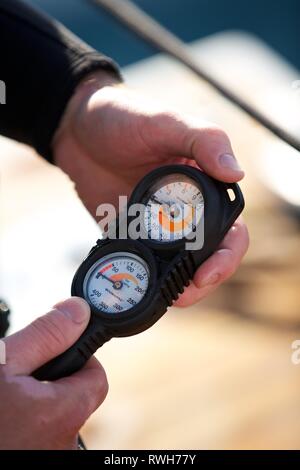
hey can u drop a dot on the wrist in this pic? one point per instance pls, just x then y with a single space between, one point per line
93 82
89 85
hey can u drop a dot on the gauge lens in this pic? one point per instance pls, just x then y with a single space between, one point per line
174 207
116 282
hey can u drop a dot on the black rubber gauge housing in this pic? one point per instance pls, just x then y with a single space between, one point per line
170 265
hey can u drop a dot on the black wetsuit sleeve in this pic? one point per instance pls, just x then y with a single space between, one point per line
41 62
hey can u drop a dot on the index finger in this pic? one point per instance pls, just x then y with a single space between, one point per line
81 393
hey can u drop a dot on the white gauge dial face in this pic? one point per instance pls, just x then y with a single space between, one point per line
116 282
174 207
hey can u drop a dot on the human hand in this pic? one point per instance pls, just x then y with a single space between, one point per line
40 415
110 137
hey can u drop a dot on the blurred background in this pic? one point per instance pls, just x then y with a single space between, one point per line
218 375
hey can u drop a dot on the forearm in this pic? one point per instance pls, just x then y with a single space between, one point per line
42 64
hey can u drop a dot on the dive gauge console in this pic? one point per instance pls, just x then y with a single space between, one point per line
130 283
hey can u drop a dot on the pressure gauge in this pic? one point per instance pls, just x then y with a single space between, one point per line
174 206
116 282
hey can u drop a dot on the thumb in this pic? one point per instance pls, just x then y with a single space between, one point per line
47 337
186 136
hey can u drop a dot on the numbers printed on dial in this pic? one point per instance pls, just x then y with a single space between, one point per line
116 282
173 208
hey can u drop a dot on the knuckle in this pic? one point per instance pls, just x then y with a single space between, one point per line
229 265
158 127
246 238
87 400
97 392
228 272
82 409
166 119
103 387
71 413
216 132
243 240
75 420
100 387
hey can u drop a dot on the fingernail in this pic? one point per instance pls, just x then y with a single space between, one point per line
210 280
229 161
75 308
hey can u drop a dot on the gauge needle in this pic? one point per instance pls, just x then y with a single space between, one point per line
116 284
161 203
106 277
183 202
